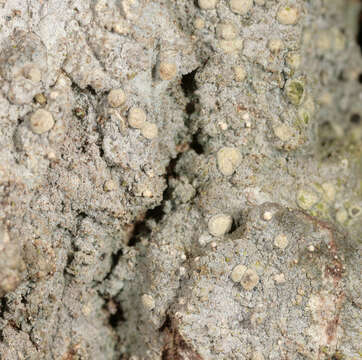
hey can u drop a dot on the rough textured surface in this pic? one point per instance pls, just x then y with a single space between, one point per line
248 110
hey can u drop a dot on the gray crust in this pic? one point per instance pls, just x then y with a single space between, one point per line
105 243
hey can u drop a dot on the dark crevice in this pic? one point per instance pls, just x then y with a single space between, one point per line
195 144
359 34
234 226
116 318
189 86
141 228
175 347
101 152
2 306
75 87
188 83
99 142
190 108
166 324
117 315
355 118
115 312
155 213
91 90
81 216
359 40
70 258
171 169
115 260
154 72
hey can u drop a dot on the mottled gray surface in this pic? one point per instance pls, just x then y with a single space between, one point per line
107 231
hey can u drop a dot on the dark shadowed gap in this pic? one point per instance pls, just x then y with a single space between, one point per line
141 228
189 86
167 352
166 324
117 315
359 40
114 261
116 318
195 144
359 34
355 119
175 347
91 90
190 108
2 306
188 83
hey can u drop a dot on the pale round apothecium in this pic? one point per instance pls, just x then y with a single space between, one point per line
148 302
207 4
149 130
241 7
249 280
137 117
288 15
109 185
228 159
279 278
40 99
199 23
267 216
281 241
116 98
41 121
220 224
307 198
342 215
167 70
311 248
237 273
